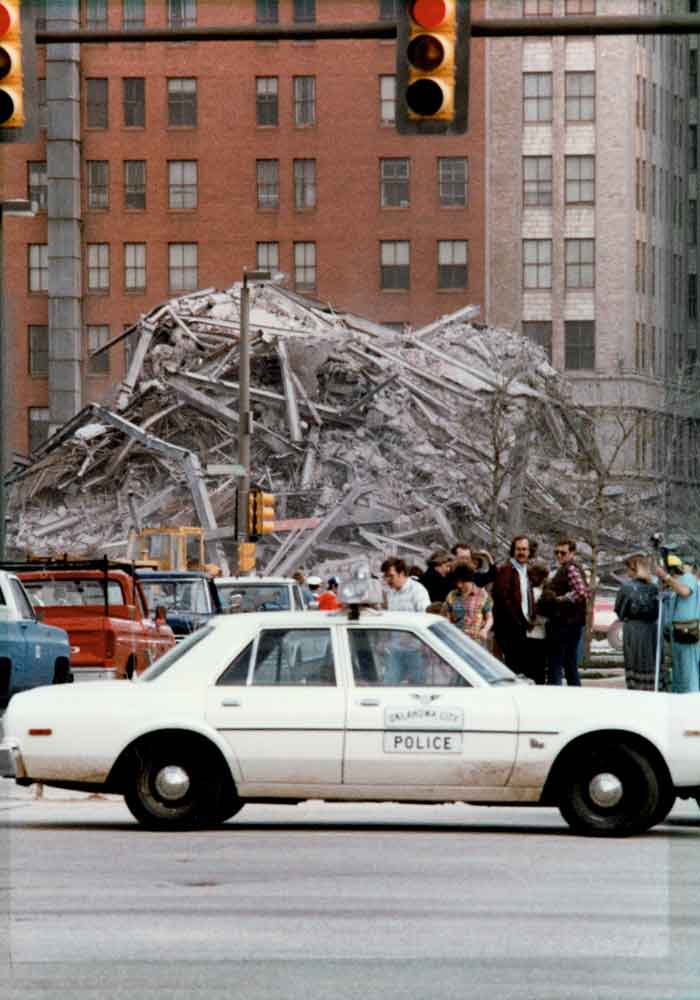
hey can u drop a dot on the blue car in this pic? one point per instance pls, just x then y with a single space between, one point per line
189 597
31 653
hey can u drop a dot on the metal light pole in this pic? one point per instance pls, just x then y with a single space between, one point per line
14 206
244 421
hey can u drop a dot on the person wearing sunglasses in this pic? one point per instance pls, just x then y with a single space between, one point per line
566 597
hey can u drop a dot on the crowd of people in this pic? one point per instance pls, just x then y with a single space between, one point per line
533 617
530 617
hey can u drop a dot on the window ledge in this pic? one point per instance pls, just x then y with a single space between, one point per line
395 291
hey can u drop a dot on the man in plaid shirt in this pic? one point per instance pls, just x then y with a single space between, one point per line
564 602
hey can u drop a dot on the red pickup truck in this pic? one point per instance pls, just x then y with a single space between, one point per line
103 608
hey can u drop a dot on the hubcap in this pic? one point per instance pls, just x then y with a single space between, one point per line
172 782
605 790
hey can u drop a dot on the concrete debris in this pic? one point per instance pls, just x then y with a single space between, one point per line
397 442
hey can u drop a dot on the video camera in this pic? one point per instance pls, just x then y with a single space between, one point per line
662 551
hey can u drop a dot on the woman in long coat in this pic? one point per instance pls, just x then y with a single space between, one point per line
637 606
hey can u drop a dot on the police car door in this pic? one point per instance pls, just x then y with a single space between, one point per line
413 719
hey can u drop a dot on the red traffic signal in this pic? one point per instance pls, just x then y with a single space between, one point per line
17 70
432 66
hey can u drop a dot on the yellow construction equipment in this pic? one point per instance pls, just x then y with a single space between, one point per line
172 548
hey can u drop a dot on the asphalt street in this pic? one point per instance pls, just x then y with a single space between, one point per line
344 901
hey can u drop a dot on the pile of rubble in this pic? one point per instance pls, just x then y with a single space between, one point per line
375 440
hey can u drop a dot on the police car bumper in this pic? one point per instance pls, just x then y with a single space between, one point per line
11 765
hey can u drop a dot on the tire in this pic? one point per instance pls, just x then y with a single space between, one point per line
205 798
61 672
635 795
5 681
667 800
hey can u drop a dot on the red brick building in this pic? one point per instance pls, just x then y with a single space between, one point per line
197 160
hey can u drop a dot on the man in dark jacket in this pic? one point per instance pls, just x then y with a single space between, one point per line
513 605
437 578
564 601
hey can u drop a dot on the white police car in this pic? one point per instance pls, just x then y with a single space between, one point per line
354 705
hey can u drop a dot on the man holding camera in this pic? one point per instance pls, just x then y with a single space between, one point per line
685 625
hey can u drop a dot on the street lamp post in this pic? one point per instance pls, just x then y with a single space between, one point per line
11 206
244 420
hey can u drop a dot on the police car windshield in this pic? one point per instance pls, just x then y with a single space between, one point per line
479 659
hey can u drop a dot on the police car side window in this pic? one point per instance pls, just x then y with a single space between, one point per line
237 671
385 657
292 657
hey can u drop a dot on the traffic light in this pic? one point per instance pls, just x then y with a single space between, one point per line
18 119
432 67
246 557
261 513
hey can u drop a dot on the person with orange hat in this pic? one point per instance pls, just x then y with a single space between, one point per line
328 600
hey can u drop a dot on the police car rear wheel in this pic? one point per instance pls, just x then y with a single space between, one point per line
172 789
610 791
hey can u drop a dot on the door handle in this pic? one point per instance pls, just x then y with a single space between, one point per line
231 703
368 702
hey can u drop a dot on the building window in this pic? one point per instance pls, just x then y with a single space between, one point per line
537 97
135 184
98 267
395 264
96 15
38 266
182 184
37 188
182 102
268 183
537 180
389 9
39 426
39 350
266 109
580 180
134 266
540 333
692 296
304 266
387 99
580 97
304 10
574 7
692 147
97 184
182 267
579 345
393 183
41 103
97 336
537 263
267 11
304 100
692 73
134 101
538 8
452 264
580 263
97 102
453 177
182 13
267 257
40 14
133 14
693 222
304 184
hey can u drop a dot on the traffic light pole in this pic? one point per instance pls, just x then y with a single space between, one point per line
485 28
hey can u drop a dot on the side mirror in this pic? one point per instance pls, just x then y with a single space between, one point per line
161 616
39 614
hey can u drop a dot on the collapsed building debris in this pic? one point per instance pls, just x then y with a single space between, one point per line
373 441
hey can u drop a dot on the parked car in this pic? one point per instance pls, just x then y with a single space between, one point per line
190 598
31 653
261 593
374 706
103 608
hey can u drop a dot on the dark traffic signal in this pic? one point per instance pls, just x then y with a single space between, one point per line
432 67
